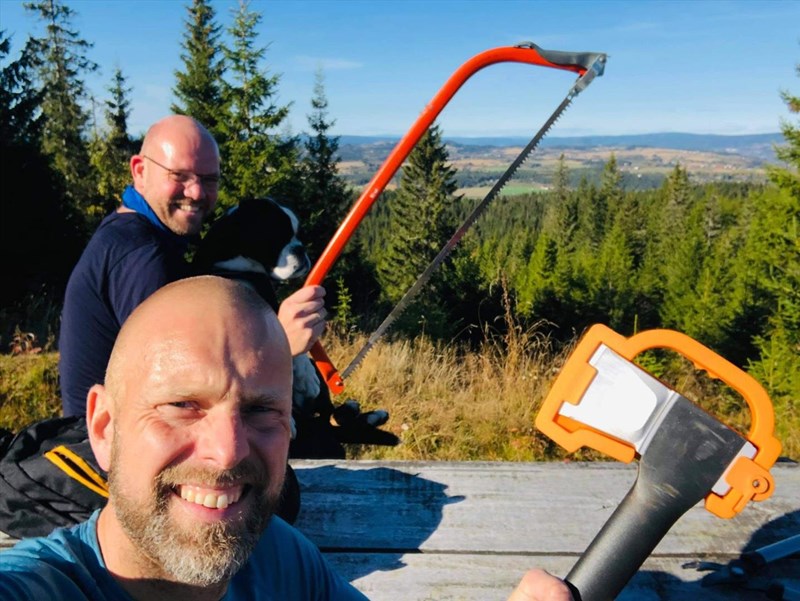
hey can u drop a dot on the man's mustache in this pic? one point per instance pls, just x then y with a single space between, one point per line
246 472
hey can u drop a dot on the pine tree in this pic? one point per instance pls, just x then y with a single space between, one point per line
111 151
664 217
60 59
40 235
198 86
608 199
567 222
20 120
257 161
612 279
419 215
775 251
561 181
420 225
325 197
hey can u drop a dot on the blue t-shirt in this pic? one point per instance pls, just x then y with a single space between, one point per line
127 259
68 566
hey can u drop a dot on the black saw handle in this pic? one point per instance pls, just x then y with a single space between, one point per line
688 454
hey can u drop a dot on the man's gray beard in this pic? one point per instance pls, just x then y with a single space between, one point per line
211 553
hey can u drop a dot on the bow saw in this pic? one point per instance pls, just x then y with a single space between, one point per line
587 65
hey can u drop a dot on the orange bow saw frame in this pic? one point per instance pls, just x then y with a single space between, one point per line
531 54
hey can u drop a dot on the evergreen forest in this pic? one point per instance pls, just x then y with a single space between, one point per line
719 262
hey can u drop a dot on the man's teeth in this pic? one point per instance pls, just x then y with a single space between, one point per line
209 499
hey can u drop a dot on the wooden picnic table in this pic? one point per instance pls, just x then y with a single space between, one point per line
446 531
468 530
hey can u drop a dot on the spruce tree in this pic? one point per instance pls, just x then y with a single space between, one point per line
20 119
325 198
198 86
111 150
61 62
257 160
567 222
420 225
419 214
40 234
608 199
775 250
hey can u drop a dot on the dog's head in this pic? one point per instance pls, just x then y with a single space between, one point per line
257 235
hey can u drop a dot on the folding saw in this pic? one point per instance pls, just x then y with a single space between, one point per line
587 65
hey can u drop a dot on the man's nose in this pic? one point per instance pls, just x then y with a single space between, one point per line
194 189
223 440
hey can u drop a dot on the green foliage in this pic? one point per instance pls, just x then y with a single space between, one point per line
420 222
111 152
774 249
19 100
325 198
41 236
198 86
60 62
418 215
343 319
256 160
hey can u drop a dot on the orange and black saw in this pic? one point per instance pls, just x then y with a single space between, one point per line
587 65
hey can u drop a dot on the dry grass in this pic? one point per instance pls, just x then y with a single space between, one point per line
450 403
28 389
445 402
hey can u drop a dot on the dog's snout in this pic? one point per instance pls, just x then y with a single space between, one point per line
293 262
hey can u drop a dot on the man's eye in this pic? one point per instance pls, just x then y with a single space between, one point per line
182 405
209 180
180 177
260 409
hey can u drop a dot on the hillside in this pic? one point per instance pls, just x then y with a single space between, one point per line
644 159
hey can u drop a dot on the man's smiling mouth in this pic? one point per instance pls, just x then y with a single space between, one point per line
189 207
207 497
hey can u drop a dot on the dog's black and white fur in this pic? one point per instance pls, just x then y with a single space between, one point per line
254 239
256 242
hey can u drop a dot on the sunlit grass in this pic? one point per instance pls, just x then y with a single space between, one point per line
446 402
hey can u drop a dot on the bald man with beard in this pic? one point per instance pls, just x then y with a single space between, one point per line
192 425
140 247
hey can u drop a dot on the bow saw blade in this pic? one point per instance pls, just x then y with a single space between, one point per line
595 69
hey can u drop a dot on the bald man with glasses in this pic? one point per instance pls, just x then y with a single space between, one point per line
141 246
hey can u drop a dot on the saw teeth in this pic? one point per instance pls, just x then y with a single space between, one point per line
468 222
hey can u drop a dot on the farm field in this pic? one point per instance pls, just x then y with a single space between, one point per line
478 167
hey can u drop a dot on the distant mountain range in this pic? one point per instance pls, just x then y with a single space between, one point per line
754 145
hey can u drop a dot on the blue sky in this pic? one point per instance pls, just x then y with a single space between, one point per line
700 66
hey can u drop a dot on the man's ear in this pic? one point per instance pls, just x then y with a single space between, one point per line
99 422
137 167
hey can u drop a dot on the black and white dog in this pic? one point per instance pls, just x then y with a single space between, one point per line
256 242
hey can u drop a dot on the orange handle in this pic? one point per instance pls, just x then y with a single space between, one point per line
326 367
526 54
748 478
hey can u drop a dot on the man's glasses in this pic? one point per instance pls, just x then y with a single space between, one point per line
186 178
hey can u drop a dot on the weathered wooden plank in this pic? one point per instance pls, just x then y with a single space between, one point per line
452 577
447 531
529 508
457 530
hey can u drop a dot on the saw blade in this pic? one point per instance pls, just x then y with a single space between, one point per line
594 70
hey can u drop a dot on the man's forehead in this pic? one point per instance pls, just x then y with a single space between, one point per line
191 366
208 316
